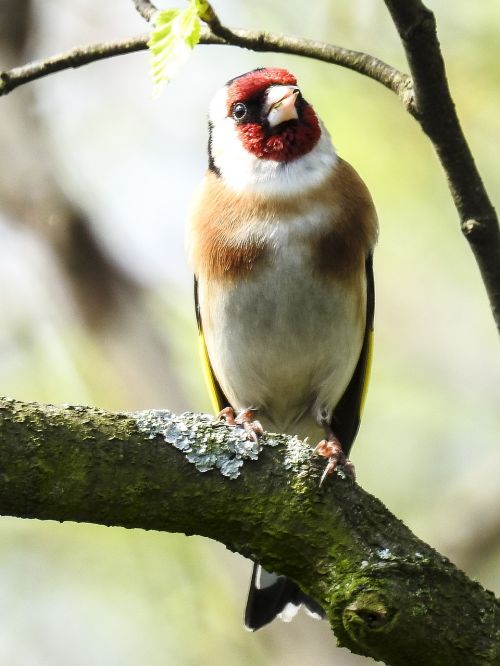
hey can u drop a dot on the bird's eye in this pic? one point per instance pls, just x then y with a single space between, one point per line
239 111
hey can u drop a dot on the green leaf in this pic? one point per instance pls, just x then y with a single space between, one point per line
175 34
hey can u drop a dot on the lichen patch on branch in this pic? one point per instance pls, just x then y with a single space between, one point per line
206 443
209 444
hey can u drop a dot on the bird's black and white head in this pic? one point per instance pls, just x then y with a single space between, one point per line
265 137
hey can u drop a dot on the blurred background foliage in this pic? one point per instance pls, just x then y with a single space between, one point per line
96 308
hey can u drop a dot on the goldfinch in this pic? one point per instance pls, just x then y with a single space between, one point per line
281 240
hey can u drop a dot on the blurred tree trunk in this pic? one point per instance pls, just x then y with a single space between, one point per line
110 303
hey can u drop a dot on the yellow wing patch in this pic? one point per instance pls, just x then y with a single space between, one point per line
368 369
213 388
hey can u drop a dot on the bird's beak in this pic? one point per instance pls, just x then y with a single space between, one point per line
280 104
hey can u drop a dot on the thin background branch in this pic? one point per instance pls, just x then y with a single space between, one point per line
145 8
435 111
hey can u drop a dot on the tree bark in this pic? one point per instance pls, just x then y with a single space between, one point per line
386 594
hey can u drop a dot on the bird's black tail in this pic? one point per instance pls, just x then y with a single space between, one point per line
271 595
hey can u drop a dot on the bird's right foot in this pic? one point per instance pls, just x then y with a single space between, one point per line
244 419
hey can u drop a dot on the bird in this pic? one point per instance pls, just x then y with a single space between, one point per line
281 238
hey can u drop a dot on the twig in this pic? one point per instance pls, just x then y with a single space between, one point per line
145 8
262 41
359 62
81 55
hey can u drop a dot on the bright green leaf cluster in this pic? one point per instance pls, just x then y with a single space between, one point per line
175 34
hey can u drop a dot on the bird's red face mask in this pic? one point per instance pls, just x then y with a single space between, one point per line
272 118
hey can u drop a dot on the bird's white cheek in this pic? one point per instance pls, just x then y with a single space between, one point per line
233 160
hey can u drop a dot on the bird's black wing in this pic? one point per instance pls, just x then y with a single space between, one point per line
347 414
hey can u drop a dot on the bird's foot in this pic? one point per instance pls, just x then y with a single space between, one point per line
332 450
245 419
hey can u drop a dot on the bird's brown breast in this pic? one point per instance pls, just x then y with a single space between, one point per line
231 233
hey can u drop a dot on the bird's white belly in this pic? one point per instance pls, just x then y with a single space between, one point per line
284 341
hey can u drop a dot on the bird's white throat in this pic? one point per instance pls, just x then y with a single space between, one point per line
244 172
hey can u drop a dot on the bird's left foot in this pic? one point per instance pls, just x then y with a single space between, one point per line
245 419
332 450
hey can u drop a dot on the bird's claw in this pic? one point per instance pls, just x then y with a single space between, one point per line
245 420
228 415
332 450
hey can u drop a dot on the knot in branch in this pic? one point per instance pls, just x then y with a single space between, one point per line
407 96
369 612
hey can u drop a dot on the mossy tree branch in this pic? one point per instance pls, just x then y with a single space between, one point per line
386 593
